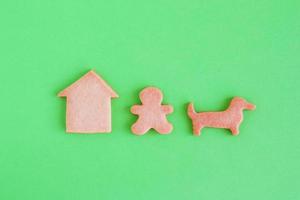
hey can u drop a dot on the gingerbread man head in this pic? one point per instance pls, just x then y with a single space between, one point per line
151 95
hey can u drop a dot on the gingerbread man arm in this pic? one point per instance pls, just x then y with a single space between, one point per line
167 109
136 109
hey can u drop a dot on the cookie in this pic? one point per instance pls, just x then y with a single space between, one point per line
88 105
152 114
230 119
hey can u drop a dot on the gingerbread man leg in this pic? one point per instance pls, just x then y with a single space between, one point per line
140 128
164 128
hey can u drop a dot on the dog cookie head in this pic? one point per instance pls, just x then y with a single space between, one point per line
242 103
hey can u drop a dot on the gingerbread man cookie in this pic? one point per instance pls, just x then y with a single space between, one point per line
152 114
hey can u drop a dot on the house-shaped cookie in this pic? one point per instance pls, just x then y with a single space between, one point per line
88 105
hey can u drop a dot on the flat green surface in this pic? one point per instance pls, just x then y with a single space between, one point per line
194 50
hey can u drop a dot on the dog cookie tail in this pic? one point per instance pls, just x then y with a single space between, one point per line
191 111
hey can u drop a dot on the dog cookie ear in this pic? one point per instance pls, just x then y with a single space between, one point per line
230 119
152 115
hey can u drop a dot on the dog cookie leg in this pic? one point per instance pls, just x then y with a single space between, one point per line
197 130
234 130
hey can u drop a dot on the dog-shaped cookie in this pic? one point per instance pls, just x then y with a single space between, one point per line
230 119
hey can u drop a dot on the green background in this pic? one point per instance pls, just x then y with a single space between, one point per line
206 51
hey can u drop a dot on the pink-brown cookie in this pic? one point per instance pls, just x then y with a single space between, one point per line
88 105
230 119
152 114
